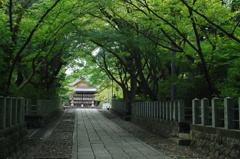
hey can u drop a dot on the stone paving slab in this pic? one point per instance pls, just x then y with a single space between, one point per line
96 137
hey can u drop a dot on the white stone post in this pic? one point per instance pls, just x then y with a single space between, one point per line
215 113
196 111
2 112
228 113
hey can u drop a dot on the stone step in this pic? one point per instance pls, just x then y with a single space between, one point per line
180 141
185 136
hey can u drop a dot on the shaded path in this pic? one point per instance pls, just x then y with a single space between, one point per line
98 134
97 137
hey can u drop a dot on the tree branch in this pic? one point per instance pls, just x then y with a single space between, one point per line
28 40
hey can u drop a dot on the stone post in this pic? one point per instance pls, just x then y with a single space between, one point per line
181 111
215 112
175 111
22 110
140 110
133 109
167 110
195 111
2 112
239 113
164 103
39 107
146 109
28 107
160 109
150 109
19 104
8 112
14 111
205 111
153 109
156 109
228 113
143 109
171 110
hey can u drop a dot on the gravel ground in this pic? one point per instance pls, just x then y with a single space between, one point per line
160 143
31 144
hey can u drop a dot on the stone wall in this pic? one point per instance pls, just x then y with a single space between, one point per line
11 139
216 141
164 128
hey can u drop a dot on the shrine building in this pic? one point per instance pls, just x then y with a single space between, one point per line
83 94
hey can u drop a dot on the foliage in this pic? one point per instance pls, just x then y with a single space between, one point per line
152 50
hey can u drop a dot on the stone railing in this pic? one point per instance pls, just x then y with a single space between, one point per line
120 105
11 111
122 108
13 127
214 114
167 110
43 107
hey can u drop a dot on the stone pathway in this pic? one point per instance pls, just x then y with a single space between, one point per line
96 137
97 134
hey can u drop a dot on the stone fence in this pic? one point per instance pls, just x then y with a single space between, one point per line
217 114
122 108
167 110
43 107
215 129
42 112
13 128
11 111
